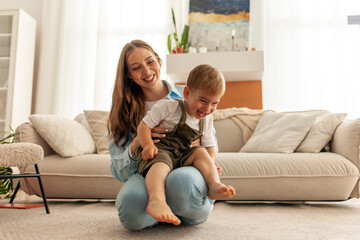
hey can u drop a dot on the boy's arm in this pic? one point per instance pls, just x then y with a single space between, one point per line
144 135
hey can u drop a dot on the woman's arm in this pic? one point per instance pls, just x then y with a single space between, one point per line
123 165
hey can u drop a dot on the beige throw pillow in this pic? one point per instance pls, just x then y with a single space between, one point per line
66 136
279 132
97 121
321 132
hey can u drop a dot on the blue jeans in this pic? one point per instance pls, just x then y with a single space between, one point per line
186 194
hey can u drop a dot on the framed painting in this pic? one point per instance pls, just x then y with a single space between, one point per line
219 25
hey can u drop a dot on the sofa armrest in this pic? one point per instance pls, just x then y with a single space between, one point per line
346 142
27 133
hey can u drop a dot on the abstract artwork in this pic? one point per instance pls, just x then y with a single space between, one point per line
213 23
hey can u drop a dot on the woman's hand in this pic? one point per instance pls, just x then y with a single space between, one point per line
197 142
158 132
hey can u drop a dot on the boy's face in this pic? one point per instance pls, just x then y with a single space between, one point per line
199 102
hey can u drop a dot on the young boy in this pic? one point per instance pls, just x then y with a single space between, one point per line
188 120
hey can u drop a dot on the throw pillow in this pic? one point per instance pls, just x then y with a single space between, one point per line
321 132
279 132
66 136
97 121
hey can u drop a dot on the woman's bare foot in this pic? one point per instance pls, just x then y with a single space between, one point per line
219 191
161 212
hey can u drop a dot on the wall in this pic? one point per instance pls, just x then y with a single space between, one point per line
35 9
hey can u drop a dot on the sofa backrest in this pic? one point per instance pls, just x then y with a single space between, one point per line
27 133
229 135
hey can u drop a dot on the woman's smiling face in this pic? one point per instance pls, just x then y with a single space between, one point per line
143 67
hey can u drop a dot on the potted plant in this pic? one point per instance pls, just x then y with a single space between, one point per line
179 46
6 185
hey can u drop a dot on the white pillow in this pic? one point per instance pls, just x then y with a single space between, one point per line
66 136
279 132
321 132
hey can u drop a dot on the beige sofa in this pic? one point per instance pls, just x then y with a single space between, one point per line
255 176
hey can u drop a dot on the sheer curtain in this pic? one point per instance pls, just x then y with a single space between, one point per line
312 56
81 41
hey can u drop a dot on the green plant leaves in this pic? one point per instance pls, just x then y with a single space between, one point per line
173 18
185 36
6 185
169 43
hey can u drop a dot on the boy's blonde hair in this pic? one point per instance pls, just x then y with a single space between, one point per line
205 76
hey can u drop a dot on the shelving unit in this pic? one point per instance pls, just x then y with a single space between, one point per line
17 48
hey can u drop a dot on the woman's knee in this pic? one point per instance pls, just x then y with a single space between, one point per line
186 194
186 181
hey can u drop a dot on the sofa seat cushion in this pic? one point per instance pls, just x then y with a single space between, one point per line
83 176
295 176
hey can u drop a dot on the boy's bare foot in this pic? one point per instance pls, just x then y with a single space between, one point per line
219 191
161 212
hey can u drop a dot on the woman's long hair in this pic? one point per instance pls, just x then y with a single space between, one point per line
128 102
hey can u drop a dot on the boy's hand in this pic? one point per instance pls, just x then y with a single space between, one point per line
149 152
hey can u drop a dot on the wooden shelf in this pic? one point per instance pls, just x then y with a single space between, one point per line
236 66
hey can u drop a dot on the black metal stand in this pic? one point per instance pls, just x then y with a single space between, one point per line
37 175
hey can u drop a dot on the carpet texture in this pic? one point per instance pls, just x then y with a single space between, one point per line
71 219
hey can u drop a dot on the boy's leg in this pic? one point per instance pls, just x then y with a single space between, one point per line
203 162
155 184
131 204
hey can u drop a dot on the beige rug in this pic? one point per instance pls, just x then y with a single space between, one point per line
98 220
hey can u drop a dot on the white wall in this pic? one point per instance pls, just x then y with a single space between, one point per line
34 8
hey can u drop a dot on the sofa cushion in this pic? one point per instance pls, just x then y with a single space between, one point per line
321 132
229 135
97 121
83 176
66 136
80 118
245 118
279 132
27 133
295 176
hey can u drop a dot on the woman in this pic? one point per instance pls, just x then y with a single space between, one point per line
137 88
